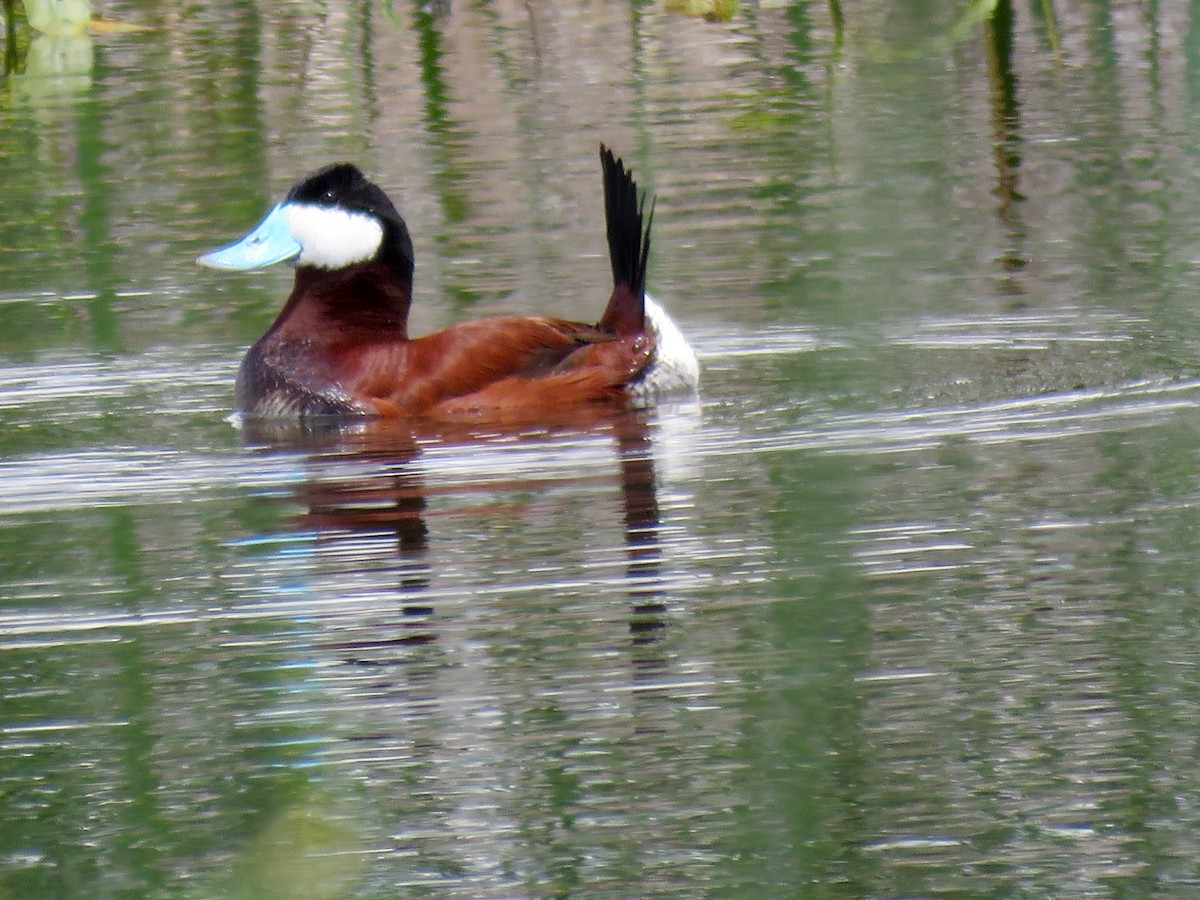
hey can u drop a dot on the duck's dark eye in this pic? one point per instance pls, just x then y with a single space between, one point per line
328 198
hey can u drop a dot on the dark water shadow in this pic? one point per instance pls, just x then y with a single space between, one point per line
1007 143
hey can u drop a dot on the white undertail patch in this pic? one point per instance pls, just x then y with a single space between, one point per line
675 371
333 238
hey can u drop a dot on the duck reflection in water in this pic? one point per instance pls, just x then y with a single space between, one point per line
366 501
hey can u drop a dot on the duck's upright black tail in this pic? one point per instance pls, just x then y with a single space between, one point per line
628 246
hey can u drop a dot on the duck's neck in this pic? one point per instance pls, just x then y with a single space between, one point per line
366 299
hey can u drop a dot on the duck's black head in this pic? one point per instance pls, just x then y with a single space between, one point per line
333 219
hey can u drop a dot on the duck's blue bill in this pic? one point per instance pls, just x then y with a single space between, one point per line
271 242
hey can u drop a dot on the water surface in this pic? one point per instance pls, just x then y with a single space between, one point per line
906 605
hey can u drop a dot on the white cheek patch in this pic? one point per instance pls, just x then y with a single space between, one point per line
333 238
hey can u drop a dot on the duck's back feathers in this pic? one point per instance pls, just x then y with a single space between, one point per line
510 364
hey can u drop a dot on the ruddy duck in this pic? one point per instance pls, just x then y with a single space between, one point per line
341 346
